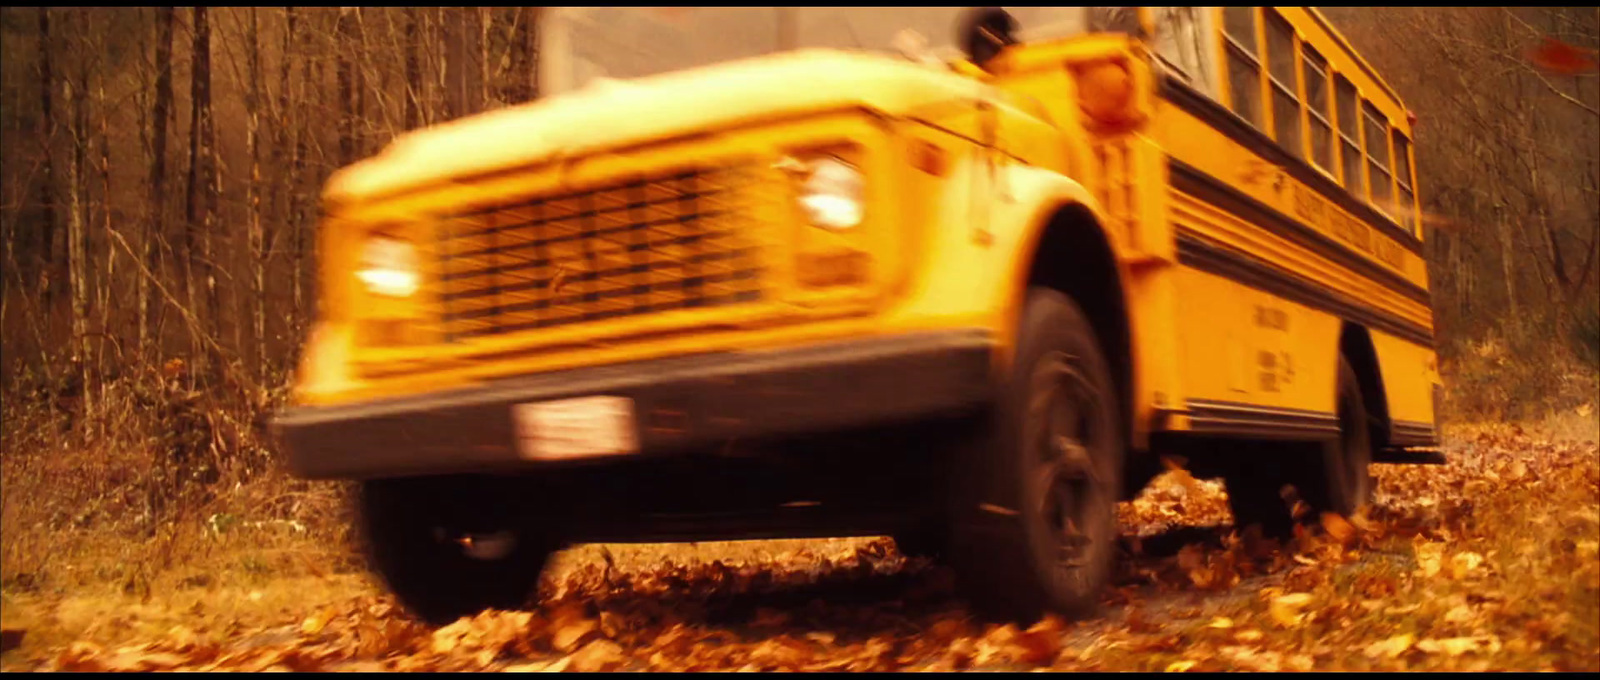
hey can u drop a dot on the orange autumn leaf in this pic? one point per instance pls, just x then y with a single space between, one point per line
1560 58
1337 527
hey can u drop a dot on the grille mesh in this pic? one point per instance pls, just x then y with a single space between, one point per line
667 242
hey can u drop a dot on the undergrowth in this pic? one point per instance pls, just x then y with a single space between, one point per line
153 478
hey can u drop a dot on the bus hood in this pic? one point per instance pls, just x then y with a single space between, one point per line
617 114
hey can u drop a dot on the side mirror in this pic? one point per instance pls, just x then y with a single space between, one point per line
985 32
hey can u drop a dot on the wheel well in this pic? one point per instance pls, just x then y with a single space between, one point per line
1074 257
1355 344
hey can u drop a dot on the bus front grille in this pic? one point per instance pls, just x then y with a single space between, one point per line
674 241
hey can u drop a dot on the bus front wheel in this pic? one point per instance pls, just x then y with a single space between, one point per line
1035 500
441 550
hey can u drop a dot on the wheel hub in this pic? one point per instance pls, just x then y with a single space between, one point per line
1067 481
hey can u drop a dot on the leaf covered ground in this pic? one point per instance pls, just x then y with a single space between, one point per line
1488 563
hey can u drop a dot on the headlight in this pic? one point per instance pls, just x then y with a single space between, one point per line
832 194
389 267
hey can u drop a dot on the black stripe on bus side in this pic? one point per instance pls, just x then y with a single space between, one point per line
1226 418
1196 251
1192 181
1410 433
1185 97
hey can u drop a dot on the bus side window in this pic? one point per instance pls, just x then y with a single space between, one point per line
1406 205
1281 74
1244 62
1378 158
1349 134
1114 20
1180 42
1315 75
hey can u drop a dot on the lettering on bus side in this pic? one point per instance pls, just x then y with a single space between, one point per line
1274 319
1321 214
1275 368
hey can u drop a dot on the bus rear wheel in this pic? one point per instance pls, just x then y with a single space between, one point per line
1330 476
1035 501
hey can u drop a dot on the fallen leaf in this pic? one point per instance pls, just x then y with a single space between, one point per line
597 656
446 639
1518 470
1587 550
1036 646
314 623
1391 647
571 634
1221 622
535 667
1301 662
782 652
1248 635
1430 558
1180 666
1285 609
1458 614
1449 646
1337 527
1463 564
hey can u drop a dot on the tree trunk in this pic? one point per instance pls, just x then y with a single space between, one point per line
258 264
108 280
413 103
47 199
536 52
358 84
1508 269
344 28
297 218
156 207
483 89
201 190
524 75
74 94
457 63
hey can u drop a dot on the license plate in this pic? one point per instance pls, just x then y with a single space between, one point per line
575 428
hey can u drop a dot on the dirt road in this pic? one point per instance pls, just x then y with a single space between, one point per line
1489 563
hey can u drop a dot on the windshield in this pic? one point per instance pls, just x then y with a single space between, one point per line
584 43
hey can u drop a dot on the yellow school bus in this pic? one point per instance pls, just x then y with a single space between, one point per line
970 303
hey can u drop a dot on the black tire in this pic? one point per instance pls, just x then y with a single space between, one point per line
1329 477
926 542
1347 478
1035 503
1255 478
413 531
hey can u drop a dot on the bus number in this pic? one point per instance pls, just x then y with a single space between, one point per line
1275 319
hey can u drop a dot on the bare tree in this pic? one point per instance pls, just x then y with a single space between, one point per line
155 204
345 30
47 133
258 266
198 237
74 92
413 102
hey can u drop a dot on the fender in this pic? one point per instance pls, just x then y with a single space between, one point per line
1035 196
1039 197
